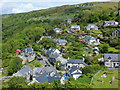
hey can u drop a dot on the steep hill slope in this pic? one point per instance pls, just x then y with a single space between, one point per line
24 28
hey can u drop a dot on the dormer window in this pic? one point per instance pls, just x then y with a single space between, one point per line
109 58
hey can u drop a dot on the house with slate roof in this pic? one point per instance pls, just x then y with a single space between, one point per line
116 33
24 72
91 27
75 62
74 72
60 42
110 23
58 57
91 40
44 74
51 51
69 21
111 60
27 55
75 27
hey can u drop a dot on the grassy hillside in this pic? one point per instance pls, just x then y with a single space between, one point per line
24 28
106 80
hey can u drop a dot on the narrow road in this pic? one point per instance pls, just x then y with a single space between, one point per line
46 60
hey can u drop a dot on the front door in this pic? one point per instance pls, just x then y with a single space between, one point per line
113 64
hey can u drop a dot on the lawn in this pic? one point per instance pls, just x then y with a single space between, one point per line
106 80
83 80
112 49
35 63
96 31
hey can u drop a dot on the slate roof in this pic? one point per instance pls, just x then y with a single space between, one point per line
28 51
45 77
57 30
24 71
88 38
109 21
51 50
112 57
41 70
60 40
76 61
58 57
73 68
91 27
118 29
48 37
54 55
75 27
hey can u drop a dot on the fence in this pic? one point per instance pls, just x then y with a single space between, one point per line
94 76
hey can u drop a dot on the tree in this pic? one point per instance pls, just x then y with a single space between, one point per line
71 79
58 65
92 69
103 48
14 65
47 43
14 81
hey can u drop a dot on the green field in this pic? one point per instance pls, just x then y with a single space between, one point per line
112 49
106 80
83 80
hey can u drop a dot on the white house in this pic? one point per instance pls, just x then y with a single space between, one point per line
75 27
91 40
75 72
110 23
60 42
57 30
91 27
76 62
51 51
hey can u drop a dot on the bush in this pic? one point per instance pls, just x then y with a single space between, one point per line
92 69
71 79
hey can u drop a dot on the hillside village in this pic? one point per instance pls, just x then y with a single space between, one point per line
68 52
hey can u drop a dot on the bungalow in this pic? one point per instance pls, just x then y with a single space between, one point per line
57 30
74 72
116 33
111 60
76 62
91 40
110 23
91 27
75 27
60 42
27 55
24 72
